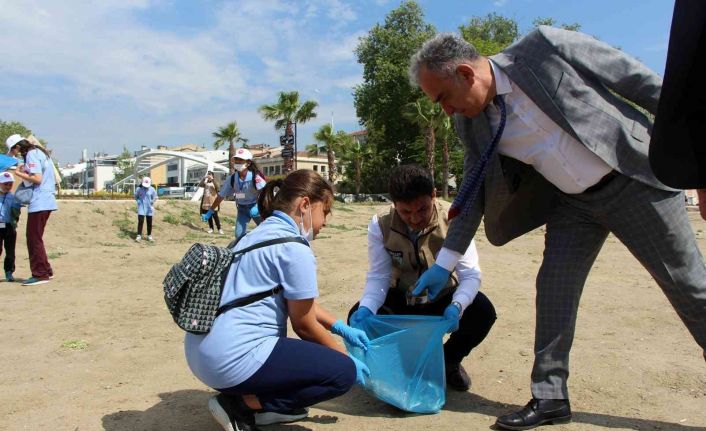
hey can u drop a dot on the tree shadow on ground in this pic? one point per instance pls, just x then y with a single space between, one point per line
186 410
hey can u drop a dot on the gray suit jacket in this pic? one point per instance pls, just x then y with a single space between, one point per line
574 79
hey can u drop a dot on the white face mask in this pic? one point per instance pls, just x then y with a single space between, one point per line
240 167
307 234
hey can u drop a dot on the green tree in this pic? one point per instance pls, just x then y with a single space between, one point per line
490 34
125 166
330 143
287 113
445 133
427 115
552 22
380 100
356 155
230 134
8 128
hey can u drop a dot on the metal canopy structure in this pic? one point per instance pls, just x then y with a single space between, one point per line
158 158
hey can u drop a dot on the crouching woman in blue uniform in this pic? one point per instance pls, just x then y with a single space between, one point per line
263 376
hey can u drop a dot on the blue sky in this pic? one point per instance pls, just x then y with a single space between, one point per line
126 73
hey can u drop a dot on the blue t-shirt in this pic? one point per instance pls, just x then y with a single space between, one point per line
145 197
245 190
43 199
7 202
242 338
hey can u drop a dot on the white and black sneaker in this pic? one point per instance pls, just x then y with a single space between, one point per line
282 417
232 413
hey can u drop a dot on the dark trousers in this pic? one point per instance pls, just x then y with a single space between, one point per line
212 219
298 374
38 261
8 238
140 221
473 327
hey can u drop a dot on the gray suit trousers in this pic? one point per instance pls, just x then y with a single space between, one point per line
653 225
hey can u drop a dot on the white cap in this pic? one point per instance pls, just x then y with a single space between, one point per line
146 181
243 153
14 140
6 177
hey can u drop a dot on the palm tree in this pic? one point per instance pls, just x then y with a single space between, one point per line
287 113
427 115
355 154
446 133
331 143
228 135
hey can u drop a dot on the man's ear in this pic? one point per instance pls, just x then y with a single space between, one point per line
466 73
433 193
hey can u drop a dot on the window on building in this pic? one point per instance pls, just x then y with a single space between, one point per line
172 167
316 168
323 168
277 170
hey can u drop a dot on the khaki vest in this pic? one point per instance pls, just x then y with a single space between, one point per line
411 258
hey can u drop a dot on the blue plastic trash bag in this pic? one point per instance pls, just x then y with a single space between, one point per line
406 361
6 162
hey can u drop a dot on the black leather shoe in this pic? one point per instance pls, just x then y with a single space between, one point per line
457 378
537 412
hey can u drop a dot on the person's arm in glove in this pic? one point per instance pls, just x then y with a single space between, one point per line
359 316
361 371
207 216
354 336
433 280
452 313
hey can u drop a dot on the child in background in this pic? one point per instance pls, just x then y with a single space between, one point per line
244 185
210 194
145 195
9 215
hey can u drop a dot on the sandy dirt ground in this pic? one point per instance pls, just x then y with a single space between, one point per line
96 349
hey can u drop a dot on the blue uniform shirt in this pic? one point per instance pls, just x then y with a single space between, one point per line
245 191
7 202
43 199
145 198
242 338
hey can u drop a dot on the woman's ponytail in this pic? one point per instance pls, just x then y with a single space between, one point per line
266 199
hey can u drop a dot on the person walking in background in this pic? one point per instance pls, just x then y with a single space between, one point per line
9 216
403 243
210 194
244 185
37 171
263 376
146 196
549 122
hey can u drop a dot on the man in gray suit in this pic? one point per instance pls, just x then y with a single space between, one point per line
548 119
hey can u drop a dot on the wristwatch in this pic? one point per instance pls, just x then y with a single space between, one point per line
458 304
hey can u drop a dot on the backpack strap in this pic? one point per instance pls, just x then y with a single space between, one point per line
232 180
241 302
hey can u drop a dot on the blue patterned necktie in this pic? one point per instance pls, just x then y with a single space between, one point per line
470 186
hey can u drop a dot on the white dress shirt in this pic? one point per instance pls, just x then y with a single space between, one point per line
377 282
530 136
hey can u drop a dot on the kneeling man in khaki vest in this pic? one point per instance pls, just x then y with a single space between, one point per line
402 243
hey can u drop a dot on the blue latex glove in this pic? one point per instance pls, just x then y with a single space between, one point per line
207 216
254 211
433 280
453 315
359 316
361 371
354 336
